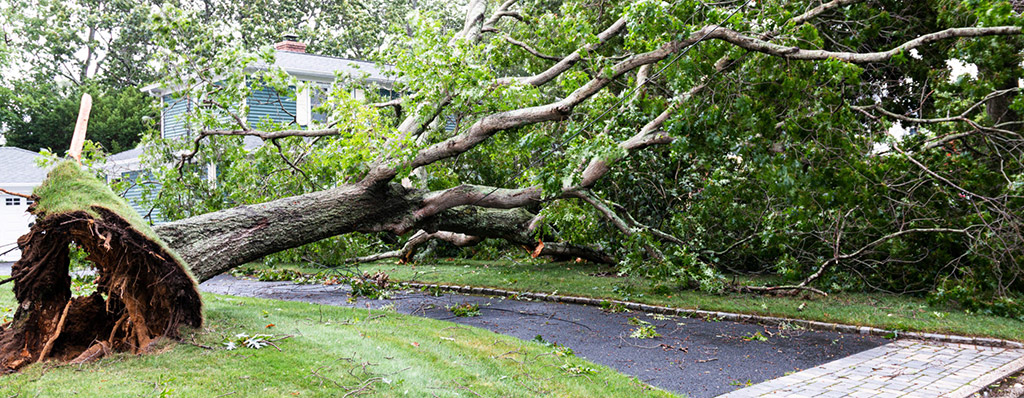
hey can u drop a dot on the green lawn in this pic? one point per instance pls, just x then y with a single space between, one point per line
877 310
332 352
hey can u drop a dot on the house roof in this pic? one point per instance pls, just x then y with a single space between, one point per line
126 155
18 166
323 67
309 67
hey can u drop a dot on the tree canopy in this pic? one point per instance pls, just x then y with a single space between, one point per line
828 143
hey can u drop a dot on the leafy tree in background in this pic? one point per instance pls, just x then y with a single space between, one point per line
335 27
73 42
43 116
61 49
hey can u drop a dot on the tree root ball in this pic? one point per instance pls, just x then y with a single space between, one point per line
143 293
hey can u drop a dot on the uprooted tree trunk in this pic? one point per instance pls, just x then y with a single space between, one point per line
143 292
216 242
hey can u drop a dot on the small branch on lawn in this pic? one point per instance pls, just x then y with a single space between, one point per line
770 289
373 257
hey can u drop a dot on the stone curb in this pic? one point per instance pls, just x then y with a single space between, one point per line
727 316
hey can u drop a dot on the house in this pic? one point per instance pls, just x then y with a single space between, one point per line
291 57
18 173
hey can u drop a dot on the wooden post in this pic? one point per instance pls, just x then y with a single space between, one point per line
78 139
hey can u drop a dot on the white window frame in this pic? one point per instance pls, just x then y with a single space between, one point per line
303 107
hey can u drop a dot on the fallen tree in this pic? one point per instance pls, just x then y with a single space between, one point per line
631 87
143 290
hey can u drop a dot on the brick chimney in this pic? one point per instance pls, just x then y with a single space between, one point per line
291 44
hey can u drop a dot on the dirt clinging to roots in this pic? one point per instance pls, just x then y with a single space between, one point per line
142 294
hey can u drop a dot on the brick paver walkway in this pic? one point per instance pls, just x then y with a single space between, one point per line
905 368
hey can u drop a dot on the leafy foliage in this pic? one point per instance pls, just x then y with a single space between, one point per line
775 166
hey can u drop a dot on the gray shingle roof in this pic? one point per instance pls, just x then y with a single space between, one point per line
126 155
323 67
18 166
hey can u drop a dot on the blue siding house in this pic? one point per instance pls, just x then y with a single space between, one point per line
265 103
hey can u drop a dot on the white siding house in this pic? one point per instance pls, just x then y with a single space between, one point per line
18 173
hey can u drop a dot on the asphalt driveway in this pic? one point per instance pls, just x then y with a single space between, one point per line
693 356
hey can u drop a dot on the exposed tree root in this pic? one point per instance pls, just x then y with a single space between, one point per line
142 293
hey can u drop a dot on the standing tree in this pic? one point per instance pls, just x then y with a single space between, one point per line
824 141
58 50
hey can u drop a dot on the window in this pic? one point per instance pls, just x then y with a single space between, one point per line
13 201
317 98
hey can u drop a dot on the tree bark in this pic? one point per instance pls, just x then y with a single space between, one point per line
217 242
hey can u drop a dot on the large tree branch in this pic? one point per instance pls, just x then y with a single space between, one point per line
408 250
821 9
504 10
477 195
796 53
569 61
491 124
474 18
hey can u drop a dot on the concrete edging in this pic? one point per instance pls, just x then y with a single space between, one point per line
728 316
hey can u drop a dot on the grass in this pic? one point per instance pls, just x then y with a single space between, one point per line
332 352
885 311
